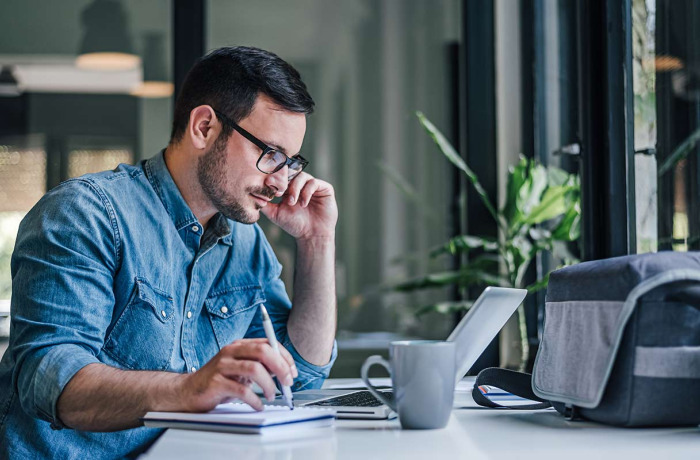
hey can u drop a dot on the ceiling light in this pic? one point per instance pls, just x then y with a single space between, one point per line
665 63
106 44
154 89
9 86
107 61
156 83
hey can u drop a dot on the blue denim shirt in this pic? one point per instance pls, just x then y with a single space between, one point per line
114 268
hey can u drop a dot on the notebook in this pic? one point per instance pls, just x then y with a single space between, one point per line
241 418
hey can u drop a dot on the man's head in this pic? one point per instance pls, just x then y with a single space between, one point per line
264 96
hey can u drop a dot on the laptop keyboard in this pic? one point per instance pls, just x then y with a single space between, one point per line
357 399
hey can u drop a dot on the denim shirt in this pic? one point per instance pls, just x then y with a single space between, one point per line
114 268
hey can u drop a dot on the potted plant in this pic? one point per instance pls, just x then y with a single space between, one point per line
542 212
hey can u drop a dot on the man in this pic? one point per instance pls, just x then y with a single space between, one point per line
139 289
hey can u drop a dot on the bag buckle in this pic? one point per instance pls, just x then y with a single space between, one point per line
570 412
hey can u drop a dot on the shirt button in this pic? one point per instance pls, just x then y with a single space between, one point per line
162 312
224 309
189 314
194 369
195 228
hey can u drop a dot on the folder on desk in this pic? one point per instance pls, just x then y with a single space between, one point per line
241 418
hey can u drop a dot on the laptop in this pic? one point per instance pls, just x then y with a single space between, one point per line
471 336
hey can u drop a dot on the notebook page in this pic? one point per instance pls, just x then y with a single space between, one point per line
243 414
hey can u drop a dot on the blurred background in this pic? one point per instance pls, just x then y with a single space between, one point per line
609 95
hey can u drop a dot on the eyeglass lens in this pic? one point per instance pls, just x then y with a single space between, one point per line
274 160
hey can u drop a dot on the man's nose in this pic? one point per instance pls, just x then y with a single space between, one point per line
278 180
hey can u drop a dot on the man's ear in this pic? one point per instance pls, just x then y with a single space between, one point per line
203 126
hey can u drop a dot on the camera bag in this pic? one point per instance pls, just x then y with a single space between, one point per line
620 345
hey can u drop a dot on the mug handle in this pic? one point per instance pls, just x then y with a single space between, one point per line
369 362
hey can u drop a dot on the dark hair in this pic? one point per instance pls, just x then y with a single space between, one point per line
230 79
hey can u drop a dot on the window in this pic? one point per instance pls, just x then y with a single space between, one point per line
22 183
666 69
60 116
369 65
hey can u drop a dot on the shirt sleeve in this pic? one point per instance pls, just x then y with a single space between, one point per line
62 268
278 307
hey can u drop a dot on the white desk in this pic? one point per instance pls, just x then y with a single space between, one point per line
472 433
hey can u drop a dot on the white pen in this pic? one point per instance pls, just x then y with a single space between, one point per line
270 334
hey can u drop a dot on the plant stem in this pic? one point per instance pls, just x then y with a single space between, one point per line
525 345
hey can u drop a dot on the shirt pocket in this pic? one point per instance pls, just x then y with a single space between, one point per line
144 335
231 312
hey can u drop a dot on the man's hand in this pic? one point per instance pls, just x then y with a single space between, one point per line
308 209
229 375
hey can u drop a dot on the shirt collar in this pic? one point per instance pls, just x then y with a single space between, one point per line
221 228
176 206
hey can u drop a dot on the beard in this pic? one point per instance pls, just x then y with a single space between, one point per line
211 172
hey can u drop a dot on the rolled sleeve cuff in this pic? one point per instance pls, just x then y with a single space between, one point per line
56 368
310 376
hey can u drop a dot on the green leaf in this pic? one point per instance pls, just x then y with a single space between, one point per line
487 278
487 262
451 154
463 244
428 281
569 228
539 284
531 192
463 277
445 307
522 250
553 204
517 175
557 176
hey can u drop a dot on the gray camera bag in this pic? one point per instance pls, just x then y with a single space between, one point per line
621 343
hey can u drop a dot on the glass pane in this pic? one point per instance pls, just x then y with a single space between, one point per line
22 183
22 177
89 161
537 96
368 65
666 66
58 88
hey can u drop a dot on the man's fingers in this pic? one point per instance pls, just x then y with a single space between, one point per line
263 352
307 192
252 371
283 351
288 357
285 354
295 187
245 394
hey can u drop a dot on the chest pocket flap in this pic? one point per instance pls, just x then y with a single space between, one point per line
160 302
224 304
232 310
144 335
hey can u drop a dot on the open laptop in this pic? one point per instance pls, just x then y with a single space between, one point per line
471 336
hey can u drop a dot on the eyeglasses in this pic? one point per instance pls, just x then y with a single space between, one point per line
271 160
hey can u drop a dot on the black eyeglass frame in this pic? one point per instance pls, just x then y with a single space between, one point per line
264 147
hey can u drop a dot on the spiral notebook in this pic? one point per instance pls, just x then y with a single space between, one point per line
241 418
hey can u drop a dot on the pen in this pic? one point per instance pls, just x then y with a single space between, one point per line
270 334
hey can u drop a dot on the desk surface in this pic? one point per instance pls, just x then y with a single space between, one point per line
472 433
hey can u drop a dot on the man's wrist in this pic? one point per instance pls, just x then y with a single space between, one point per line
168 392
316 241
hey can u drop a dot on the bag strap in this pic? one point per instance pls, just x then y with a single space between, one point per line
516 383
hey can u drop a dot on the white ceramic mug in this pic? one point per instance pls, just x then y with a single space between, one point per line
423 377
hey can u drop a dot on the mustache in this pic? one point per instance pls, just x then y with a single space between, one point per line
266 192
